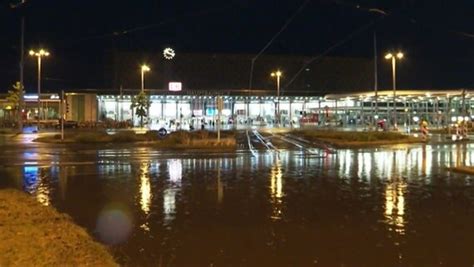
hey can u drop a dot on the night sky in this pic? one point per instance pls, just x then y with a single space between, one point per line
437 37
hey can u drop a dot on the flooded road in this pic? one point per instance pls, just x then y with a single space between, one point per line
395 206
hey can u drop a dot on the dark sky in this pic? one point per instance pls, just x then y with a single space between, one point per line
436 36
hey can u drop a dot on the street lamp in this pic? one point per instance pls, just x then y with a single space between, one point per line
277 74
393 57
144 68
39 54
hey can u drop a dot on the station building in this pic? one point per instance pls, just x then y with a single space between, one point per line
331 91
439 108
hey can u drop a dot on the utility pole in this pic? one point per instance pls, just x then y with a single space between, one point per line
62 115
21 103
220 105
375 77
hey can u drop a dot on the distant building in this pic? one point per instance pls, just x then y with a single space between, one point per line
195 109
324 91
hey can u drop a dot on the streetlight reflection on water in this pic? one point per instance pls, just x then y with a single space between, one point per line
153 198
276 188
145 188
395 192
175 172
34 183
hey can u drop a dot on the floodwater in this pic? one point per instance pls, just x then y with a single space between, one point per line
395 206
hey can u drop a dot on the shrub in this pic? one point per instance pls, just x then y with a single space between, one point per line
90 137
352 136
151 135
124 136
202 134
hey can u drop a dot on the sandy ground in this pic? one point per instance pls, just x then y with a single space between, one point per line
35 235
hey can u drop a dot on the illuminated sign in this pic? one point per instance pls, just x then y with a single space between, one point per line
31 96
174 86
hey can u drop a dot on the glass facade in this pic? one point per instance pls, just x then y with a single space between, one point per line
438 108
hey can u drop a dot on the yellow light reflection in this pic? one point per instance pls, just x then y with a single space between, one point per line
35 183
395 206
43 194
276 189
145 188
220 186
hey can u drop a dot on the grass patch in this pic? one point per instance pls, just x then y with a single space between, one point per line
91 137
351 136
198 139
125 136
35 235
178 139
6 131
352 139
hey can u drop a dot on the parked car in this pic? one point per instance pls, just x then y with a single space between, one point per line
68 124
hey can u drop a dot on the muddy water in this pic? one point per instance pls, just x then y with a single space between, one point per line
397 206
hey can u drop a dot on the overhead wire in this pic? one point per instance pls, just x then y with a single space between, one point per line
360 30
131 30
285 25
328 50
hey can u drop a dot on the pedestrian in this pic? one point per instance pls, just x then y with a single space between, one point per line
424 129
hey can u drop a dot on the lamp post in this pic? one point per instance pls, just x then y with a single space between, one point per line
277 74
39 54
144 68
393 57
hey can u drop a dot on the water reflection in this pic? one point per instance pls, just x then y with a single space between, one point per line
175 169
365 164
145 188
395 192
175 172
35 183
276 190
373 197
220 185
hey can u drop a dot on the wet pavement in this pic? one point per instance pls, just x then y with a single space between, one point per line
395 206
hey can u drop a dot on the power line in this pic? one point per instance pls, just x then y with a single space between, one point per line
288 21
327 51
152 25
363 28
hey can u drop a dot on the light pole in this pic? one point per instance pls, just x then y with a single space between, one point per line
393 57
277 74
144 68
39 54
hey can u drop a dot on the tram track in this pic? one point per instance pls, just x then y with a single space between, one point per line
311 148
256 141
319 145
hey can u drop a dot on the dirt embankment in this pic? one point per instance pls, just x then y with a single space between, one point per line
35 235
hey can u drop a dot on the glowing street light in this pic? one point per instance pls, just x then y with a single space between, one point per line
39 54
144 68
277 74
393 57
